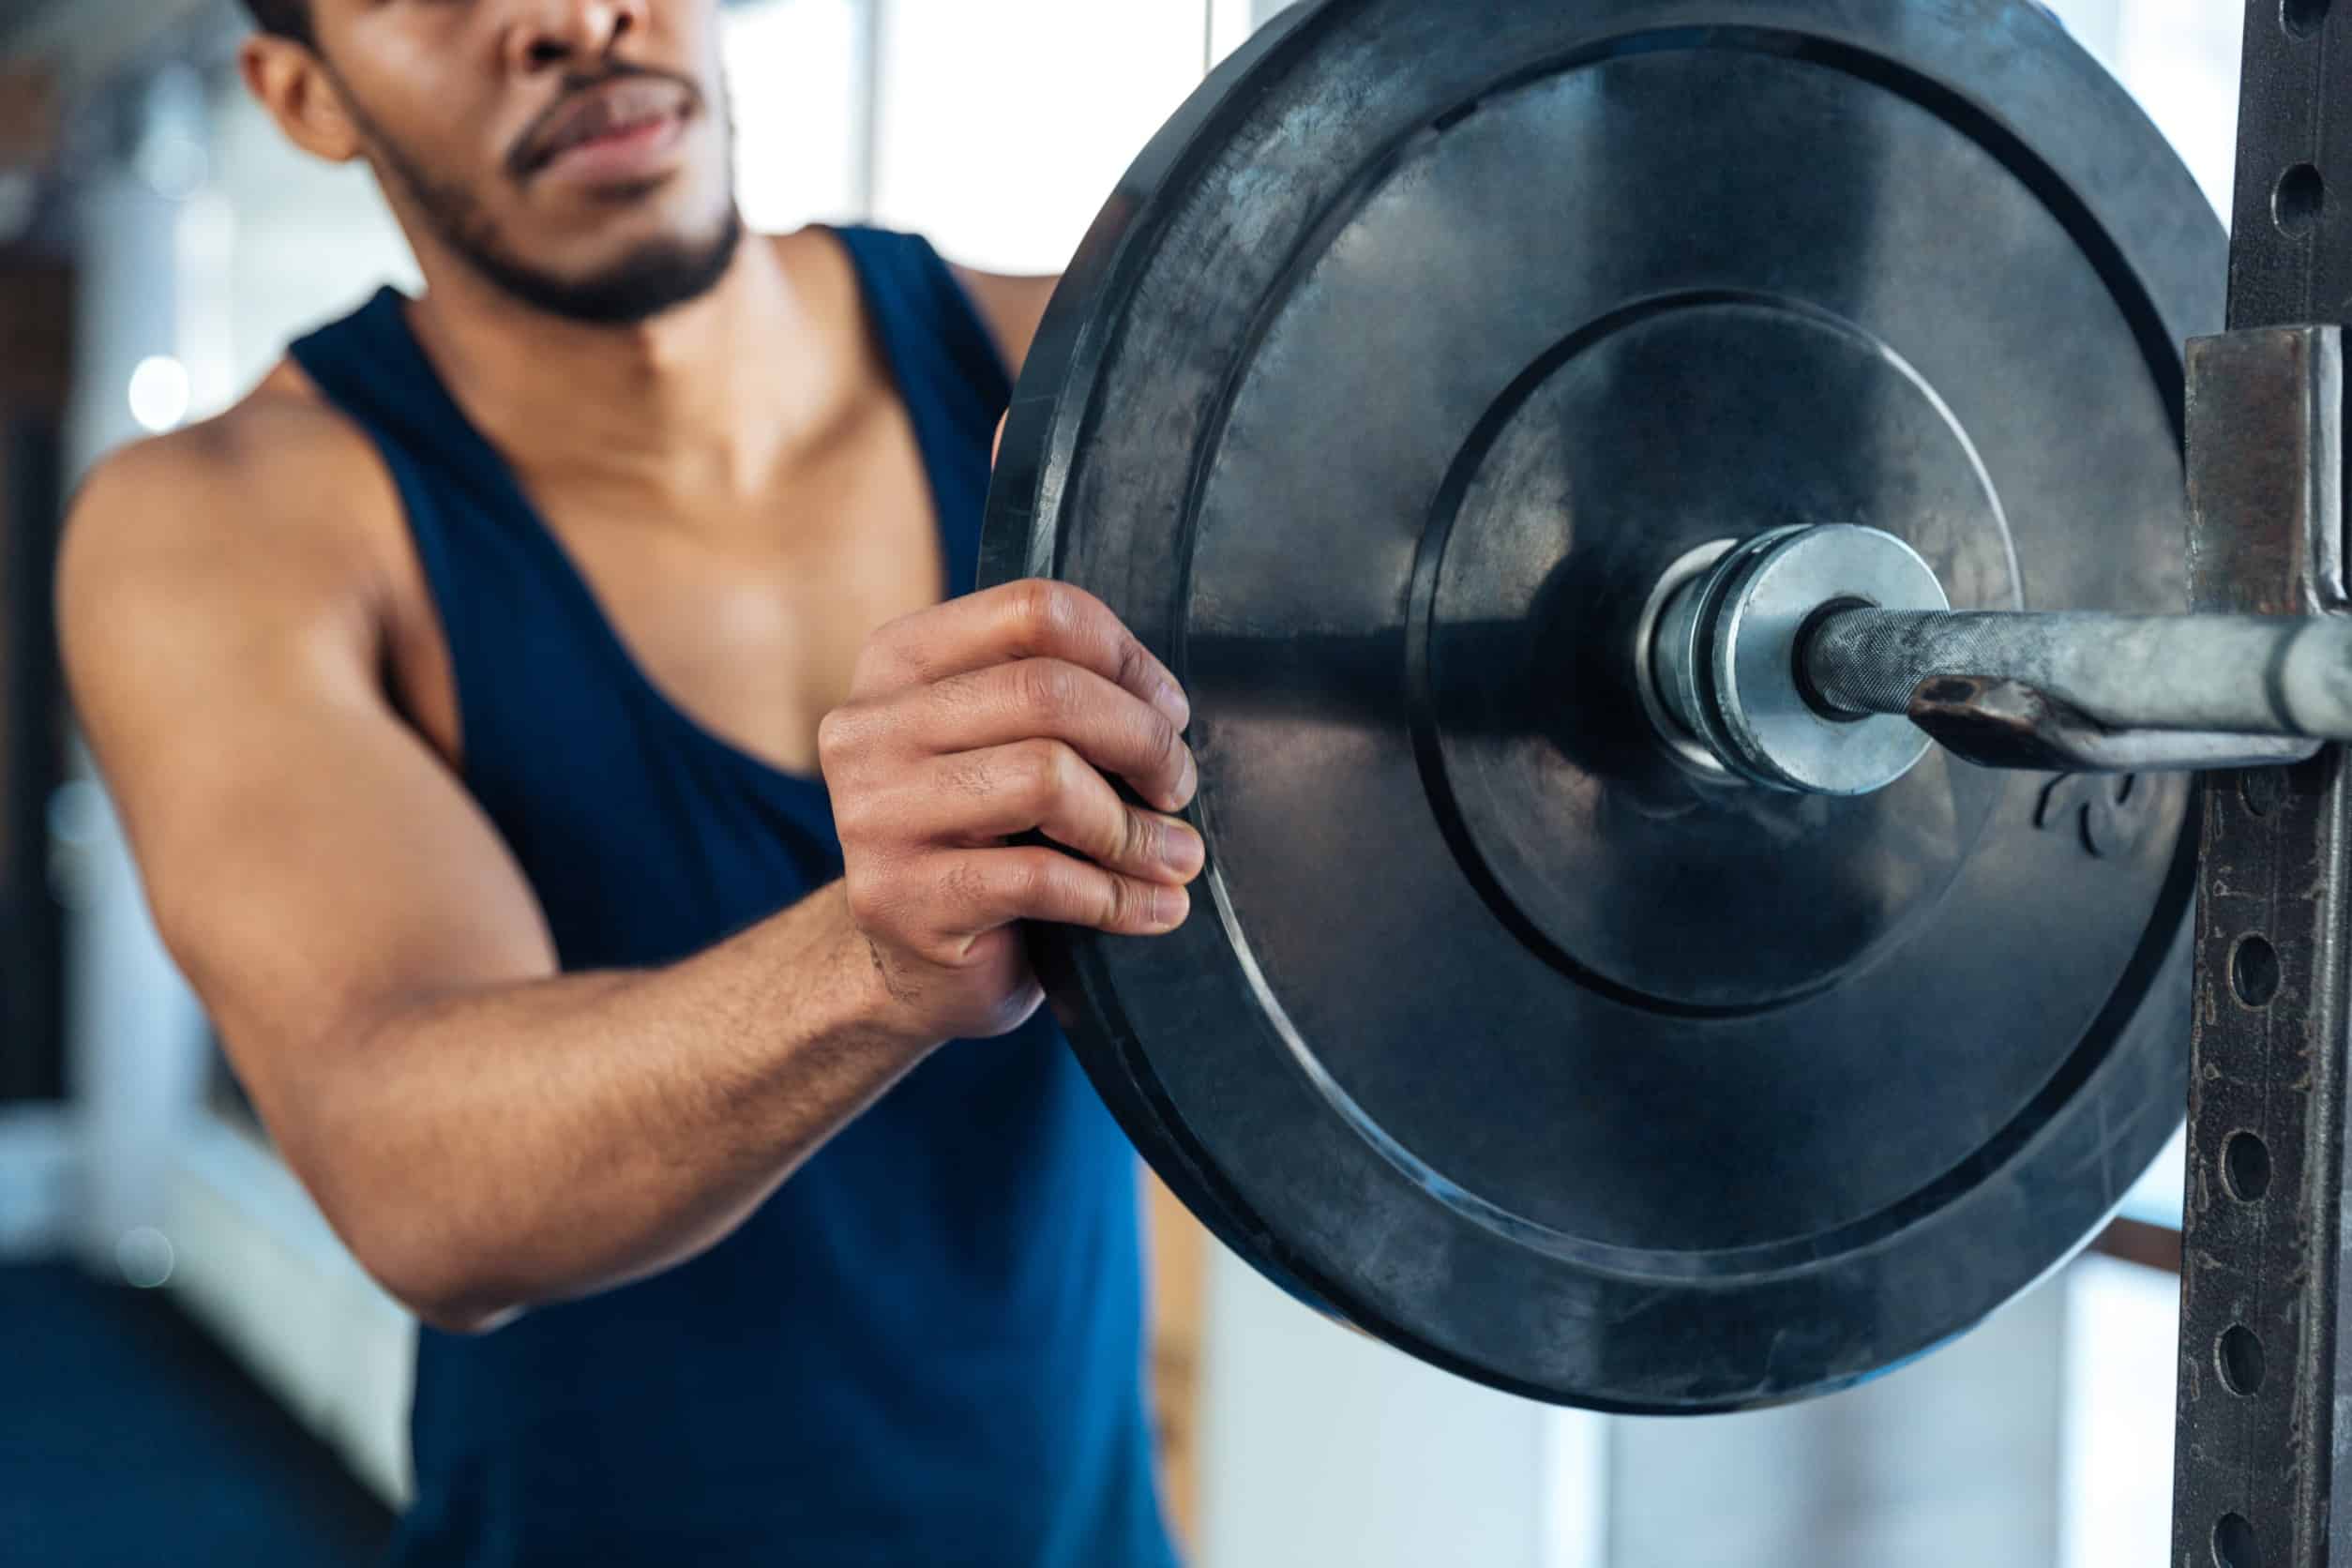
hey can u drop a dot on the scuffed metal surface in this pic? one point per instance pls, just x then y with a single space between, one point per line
2269 1054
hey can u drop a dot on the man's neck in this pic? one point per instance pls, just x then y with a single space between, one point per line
705 401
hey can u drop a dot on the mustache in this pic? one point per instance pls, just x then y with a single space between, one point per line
542 138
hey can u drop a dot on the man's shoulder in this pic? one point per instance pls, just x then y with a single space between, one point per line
281 488
280 451
282 422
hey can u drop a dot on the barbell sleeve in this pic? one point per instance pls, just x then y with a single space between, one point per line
2223 674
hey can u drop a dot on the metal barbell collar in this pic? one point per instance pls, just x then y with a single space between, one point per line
1826 660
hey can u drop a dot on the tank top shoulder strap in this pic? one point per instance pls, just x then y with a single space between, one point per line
370 367
495 573
951 375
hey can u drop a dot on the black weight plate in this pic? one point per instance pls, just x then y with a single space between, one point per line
1404 362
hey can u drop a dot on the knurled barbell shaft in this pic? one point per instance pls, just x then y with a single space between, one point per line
2231 674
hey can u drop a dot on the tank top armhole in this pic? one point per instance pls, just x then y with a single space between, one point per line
327 358
972 341
917 303
949 372
435 565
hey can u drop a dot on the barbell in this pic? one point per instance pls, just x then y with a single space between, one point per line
1670 514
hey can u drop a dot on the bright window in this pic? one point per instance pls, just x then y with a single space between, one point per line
797 72
1005 127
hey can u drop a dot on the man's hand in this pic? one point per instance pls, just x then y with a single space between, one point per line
981 721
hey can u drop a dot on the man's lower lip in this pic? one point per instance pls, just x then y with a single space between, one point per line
626 154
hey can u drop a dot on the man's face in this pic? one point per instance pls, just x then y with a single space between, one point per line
574 152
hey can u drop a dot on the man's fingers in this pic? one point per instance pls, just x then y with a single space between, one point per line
980 890
1029 620
1048 700
1043 786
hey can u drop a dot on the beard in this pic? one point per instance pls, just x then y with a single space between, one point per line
655 278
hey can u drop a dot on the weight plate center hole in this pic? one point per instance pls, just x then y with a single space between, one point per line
1562 547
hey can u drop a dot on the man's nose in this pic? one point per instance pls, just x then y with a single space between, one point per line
558 33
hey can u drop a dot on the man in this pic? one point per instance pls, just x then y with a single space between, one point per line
550 760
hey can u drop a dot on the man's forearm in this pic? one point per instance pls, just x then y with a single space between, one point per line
494 1151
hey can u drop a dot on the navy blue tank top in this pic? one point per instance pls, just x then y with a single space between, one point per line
926 1348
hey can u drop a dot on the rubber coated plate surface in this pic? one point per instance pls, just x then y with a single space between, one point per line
1405 362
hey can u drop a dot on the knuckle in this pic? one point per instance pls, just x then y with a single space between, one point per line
1023 881
870 903
1073 769
1167 745
1046 776
1048 688
833 739
1056 615
1138 838
1134 663
841 734
1040 609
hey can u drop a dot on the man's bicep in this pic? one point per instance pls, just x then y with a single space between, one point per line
317 867
309 861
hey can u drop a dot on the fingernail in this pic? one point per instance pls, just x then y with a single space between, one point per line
1170 700
1181 850
1188 781
1169 907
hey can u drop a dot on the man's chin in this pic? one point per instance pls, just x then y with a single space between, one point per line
651 281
